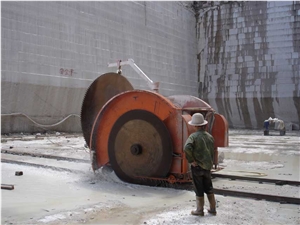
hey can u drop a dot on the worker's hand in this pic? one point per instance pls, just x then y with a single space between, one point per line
194 164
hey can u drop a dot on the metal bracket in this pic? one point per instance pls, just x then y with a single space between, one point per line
153 85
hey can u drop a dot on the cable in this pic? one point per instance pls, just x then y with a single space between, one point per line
38 124
41 125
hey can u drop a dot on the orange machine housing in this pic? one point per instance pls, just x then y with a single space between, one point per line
174 111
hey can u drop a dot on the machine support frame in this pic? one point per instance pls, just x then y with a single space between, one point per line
152 85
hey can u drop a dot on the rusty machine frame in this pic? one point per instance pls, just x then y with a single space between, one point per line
141 133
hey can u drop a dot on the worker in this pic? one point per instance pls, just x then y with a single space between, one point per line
266 125
279 125
199 151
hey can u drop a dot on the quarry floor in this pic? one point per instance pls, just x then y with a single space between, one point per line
65 192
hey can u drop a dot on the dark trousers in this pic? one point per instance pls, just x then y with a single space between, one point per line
202 181
266 125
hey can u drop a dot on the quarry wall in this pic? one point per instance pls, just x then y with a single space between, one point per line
240 57
249 63
52 51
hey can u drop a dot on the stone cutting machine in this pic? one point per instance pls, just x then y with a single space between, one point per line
141 133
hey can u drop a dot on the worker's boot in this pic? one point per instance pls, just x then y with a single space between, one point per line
212 203
200 204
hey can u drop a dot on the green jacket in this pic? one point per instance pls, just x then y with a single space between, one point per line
199 147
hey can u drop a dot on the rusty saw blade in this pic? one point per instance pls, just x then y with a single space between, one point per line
100 91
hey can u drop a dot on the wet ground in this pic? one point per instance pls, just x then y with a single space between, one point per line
69 192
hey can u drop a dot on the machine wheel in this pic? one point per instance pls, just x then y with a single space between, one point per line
140 146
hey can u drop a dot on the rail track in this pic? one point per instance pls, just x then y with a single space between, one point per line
44 156
224 192
259 180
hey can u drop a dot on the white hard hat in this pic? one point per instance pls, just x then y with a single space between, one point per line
198 120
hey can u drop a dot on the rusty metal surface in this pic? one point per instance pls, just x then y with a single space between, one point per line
140 145
100 91
142 134
220 131
119 105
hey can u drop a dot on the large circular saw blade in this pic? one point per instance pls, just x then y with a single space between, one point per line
140 147
100 91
